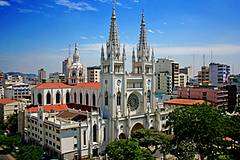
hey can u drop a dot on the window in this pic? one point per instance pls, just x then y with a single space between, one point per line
54 144
57 131
75 97
50 142
75 146
84 138
58 139
39 98
86 98
58 97
119 98
46 140
67 97
94 133
106 98
58 147
149 96
53 136
94 99
46 133
48 98
104 134
80 98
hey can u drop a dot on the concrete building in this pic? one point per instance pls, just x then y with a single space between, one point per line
13 79
217 96
170 66
219 73
42 76
8 107
164 83
56 77
93 74
17 91
1 92
188 71
235 80
183 79
1 78
203 76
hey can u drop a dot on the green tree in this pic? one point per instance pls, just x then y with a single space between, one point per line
205 127
12 123
30 152
153 140
127 149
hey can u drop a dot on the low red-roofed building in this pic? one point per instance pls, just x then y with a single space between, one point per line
183 102
8 107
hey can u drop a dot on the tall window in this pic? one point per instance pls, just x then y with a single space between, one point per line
87 99
80 98
104 134
94 133
106 98
48 98
33 99
119 98
84 138
39 98
149 96
75 97
94 99
58 97
67 97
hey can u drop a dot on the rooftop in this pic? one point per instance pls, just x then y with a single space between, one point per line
184 102
7 101
90 85
52 85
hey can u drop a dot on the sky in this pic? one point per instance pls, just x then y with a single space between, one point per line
36 34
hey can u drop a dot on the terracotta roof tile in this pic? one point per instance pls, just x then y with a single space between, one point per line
7 101
52 85
49 108
185 102
94 85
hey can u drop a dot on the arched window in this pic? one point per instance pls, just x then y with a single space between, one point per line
48 97
119 98
87 99
80 98
106 98
75 97
94 99
39 99
94 133
149 96
33 99
67 97
58 97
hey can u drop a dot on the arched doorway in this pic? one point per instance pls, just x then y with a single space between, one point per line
94 99
39 99
94 133
48 97
67 97
122 136
58 97
136 127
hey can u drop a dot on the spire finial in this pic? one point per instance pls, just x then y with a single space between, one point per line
143 35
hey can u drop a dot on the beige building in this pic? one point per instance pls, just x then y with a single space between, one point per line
93 74
7 107
203 76
183 79
17 91
164 83
1 92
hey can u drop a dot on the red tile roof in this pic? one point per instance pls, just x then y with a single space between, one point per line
49 108
90 85
52 85
184 102
7 101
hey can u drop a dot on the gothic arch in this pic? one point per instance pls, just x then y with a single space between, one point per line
149 96
94 133
39 97
48 98
67 97
118 98
75 97
81 98
106 98
93 99
122 136
87 99
58 97
136 127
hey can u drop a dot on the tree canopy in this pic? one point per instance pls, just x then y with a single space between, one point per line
201 129
127 149
30 152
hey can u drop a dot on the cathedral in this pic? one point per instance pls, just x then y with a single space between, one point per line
79 119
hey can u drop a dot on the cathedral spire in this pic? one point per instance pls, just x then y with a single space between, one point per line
102 54
113 42
124 53
153 56
143 35
76 56
133 55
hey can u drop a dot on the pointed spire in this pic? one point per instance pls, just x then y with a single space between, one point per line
76 56
133 55
102 54
143 35
113 41
153 56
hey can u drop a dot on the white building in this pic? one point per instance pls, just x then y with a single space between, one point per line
76 72
164 83
56 77
219 73
42 76
1 92
13 79
17 91
183 79
8 107
93 74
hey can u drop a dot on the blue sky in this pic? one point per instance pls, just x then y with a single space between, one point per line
36 33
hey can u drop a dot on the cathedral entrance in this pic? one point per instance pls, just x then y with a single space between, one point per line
122 136
136 127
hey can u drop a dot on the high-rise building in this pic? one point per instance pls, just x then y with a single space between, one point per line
56 77
93 74
219 73
1 78
170 66
183 79
187 71
164 83
203 76
42 76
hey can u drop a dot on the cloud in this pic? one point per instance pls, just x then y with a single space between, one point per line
84 38
160 32
101 36
4 3
27 10
164 23
136 1
80 6
151 31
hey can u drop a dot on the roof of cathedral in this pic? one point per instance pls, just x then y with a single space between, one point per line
72 115
184 102
91 85
52 85
49 108
7 101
